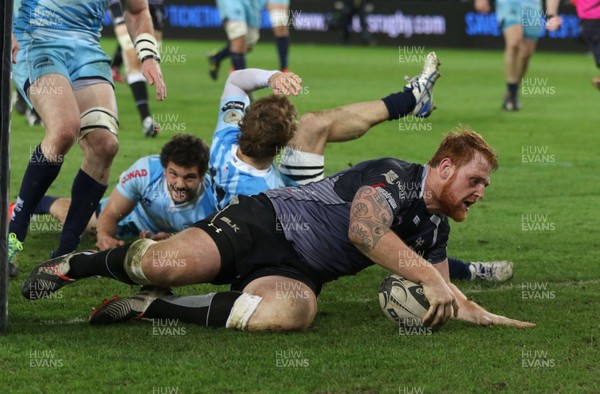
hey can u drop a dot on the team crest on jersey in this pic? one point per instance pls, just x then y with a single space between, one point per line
417 220
238 105
390 177
232 117
134 174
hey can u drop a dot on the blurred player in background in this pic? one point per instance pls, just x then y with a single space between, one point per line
360 8
241 20
66 77
157 196
301 238
279 14
520 21
133 67
588 12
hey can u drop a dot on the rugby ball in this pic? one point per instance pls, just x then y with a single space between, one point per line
402 301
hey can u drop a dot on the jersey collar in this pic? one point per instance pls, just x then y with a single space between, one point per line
245 167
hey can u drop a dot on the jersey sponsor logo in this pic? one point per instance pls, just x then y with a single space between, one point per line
388 196
238 105
230 223
390 177
419 242
134 174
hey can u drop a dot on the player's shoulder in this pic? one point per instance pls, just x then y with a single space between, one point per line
145 168
391 168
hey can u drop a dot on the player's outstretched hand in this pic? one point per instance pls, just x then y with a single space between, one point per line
151 70
553 23
474 313
443 304
489 319
285 83
105 243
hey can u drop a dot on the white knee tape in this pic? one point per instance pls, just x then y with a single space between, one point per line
133 261
252 37
98 118
279 17
243 309
235 29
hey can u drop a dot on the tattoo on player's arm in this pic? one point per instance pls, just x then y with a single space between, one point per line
370 218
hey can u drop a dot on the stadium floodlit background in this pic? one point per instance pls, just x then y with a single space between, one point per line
540 212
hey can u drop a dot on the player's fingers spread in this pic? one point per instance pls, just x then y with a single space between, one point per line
438 317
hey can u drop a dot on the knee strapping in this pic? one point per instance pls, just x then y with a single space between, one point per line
98 118
133 261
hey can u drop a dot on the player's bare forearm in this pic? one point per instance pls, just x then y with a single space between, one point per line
139 24
117 207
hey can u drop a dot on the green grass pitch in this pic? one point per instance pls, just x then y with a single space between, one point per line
539 212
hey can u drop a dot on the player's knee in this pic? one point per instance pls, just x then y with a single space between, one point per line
106 149
285 311
63 138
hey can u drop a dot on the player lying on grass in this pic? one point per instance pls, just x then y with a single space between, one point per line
301 238
248 137
156 196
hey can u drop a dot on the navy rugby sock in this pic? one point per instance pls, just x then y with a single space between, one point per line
210 310
39 175
459 269
222 54
108 263
400 104
283 45
238 60
513 88
140 95
86 193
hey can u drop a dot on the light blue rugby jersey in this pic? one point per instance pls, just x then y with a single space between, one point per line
231 176
61 19
145 184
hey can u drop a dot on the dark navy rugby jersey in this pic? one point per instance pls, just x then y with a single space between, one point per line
315 217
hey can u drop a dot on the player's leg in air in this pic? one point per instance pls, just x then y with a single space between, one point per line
492 271
241 20
252 304
280 19
133 67
303 160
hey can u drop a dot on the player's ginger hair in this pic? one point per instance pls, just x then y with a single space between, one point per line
267 127
460 146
